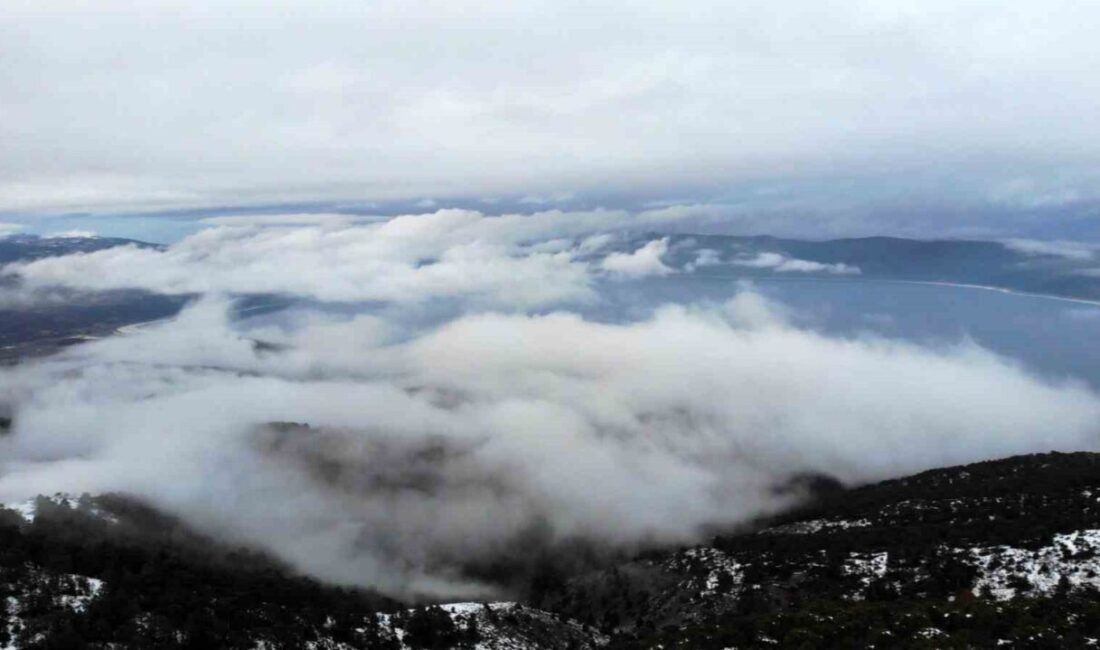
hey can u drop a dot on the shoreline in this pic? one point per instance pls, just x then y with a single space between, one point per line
135 328
1015 292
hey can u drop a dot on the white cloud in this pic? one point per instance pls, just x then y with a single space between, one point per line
9 228
703 258
534 259
450 253
1071 250
616 434
783 264
72 234
646 260
458 431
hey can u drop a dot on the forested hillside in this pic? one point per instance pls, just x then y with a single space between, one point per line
997 554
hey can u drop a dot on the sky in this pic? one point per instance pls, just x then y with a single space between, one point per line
798 118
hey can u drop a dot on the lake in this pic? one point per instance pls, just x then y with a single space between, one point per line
1056 338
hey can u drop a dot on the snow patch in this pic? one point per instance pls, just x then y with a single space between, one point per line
814 526
1006 571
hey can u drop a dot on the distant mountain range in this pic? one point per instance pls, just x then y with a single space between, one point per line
996 554
22 248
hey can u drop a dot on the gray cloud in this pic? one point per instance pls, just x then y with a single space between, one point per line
288 219
120 105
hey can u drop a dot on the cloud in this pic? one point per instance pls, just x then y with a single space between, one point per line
463 412
449 253
9 228
431 452
643 261
783 264
704 257
1071 250
72 234
178 106
287 220
556 198
543 258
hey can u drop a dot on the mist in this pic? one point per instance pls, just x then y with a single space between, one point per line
394 443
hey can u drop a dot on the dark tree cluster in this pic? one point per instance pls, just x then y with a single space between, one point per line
163 587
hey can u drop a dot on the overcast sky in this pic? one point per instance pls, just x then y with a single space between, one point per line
812 117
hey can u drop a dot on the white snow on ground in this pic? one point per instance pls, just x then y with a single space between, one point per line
1076 556
815 526
716 563
80 590
465 609
930 633
1073 555
868 567
87 590
493 636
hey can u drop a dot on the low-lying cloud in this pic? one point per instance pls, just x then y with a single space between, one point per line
450 253
425 447
1071 250
644 261
784 264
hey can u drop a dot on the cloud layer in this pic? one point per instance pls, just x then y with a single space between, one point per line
451 253
435 453
167 104
512 422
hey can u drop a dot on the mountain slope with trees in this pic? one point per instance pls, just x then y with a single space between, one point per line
998 554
